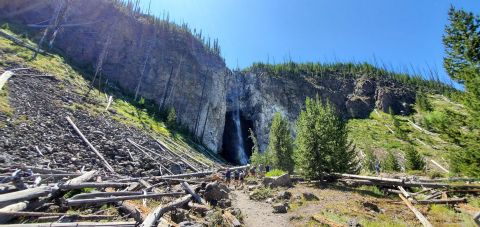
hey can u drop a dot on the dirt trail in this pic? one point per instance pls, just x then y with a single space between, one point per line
258 214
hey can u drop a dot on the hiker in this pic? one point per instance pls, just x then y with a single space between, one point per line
242 177
267 169
377 167
228 177
252 171
260 170
237 177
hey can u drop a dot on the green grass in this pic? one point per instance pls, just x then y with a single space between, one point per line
275 173
373 132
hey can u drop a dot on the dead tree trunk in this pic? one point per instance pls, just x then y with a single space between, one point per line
153 217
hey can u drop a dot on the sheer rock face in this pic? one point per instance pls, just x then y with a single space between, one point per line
355 97
178 72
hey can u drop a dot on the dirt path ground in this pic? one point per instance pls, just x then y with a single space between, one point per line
258 214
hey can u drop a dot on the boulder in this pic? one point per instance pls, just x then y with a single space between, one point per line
224 203
284 195
281 181
309 196
214 192
279 208
179 215
189 224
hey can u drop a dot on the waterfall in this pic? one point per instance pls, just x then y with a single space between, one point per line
240 154
240 147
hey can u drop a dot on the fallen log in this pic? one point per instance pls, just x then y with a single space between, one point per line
24 195
77 202
326 221
20 206
417 213
22 43
92 185
75 224
231 220
45 214
443 201
202 209
4 78
108 166
103 194
152 218
190 191
180 157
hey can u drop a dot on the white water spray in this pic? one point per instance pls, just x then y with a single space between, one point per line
240 154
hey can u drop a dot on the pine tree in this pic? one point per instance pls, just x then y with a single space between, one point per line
462 63
399 133
280 145
414 161
322 142
391 163
422 102
171 118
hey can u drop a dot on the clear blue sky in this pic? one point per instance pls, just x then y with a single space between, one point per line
401 33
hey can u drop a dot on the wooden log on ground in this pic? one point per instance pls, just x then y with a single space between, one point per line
443 201
4 78
231 220
326 221
180 157
108 166
190 191
75 224
77 202
24 195
22 43
153 217
45 214
439 166
103 194
92 185
202 209
12 208
417 213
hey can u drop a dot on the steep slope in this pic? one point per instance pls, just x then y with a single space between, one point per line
420 130
162 61
37 100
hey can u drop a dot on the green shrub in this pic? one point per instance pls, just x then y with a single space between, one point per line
422 102
171 118
275 173
369 160
261 194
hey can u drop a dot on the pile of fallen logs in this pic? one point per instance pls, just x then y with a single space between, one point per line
439 191
45 197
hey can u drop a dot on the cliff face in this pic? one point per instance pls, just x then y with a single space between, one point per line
177 70
261 95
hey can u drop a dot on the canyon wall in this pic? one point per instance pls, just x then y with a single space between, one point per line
262 95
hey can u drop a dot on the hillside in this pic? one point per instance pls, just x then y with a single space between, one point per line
35 103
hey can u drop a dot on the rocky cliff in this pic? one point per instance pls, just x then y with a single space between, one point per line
164 62
354 96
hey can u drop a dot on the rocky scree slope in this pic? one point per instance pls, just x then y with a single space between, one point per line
35 104
167 64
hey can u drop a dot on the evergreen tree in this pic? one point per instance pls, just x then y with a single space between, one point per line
369 160
462 46
414 161
462 63
422 102
171 118
391 163
322 142
280 145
